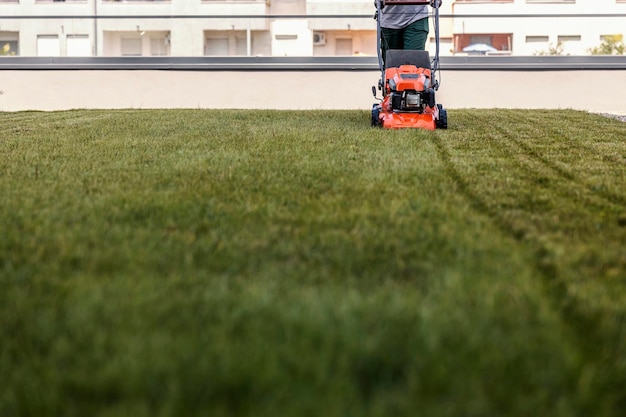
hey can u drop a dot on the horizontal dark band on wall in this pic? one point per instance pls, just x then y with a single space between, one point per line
370 63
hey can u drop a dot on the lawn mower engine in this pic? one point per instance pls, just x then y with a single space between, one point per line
409 89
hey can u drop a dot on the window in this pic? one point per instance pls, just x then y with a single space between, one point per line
569 38
78 45
241 45
131 46
343 46
484 43
8 48
539 44
9 44
486 39
216 46
228 43
537 39
159 46
612 38
48 45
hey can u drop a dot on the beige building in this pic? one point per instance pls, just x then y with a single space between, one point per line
194 28
531 27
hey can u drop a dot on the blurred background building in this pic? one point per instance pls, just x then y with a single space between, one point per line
192 28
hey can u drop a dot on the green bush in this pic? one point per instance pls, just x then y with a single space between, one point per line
611 45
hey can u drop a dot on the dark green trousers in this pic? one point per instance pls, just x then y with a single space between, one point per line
413 36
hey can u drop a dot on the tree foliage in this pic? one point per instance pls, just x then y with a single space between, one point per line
559 49
6 50
611 45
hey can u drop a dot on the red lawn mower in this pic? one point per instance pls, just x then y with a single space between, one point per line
408 81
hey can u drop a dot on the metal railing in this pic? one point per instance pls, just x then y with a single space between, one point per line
345 63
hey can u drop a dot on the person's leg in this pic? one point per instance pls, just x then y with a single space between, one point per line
416 35
391 39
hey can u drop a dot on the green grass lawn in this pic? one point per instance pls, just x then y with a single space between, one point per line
265 263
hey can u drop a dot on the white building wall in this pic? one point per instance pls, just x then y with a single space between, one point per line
587 29
190 36
362 31
29 29
291 37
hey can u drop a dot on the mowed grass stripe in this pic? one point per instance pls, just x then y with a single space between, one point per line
572 213
192 262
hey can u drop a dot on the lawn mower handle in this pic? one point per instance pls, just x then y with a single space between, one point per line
405 2
435 4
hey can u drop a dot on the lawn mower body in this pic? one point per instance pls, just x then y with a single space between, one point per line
408 84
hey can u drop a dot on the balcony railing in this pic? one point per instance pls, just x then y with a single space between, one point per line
369 64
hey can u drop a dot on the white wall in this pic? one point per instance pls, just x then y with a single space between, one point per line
188 36
291 38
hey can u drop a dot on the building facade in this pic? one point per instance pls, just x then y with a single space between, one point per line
532 27
295 27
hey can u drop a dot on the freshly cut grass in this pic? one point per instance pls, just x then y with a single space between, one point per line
264 263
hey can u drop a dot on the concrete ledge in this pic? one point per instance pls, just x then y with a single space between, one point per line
320 63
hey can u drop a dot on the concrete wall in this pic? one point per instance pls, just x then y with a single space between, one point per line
590 90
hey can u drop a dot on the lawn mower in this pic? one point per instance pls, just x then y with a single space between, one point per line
408 82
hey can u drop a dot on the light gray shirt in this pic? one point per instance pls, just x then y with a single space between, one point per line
398 17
